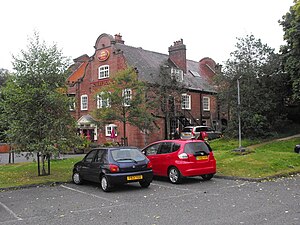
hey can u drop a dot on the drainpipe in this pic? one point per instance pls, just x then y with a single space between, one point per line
200 106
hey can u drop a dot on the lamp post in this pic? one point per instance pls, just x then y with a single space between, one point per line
239 113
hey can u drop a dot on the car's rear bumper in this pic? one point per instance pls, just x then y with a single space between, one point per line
122 178
188 171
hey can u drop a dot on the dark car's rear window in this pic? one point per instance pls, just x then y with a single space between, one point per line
127 155
195 147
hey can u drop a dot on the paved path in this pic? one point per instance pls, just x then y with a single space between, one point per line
4 157
267 142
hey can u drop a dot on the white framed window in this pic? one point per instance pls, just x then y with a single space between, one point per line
185 101
103 72
84 102
206 103
177 74
102 102
109 130
72 104
127 96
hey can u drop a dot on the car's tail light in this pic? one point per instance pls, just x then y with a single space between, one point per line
183 156
113 168
149 165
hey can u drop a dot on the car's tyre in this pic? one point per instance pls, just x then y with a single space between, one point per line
77 178
174 175
105 185
207 176
144 183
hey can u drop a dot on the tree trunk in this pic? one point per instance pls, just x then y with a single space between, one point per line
43 165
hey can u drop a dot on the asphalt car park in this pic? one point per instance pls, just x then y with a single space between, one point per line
218 201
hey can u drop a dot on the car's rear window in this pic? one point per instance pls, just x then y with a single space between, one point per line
195 147
199 129
127 155
187 129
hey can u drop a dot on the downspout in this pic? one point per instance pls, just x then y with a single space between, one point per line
200 107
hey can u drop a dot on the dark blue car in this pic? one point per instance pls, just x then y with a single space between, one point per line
112 166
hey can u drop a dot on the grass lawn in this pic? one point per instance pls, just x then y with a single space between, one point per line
19 174
264 160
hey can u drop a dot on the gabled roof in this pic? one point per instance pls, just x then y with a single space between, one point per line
78 72
148 64
86 119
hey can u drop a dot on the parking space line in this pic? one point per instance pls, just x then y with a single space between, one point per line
10 211
92 209
181 189
85 193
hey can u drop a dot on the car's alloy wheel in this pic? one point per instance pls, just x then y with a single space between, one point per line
207 176
76 178
144 184
174 175
105 186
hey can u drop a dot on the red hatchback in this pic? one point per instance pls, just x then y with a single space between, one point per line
177 159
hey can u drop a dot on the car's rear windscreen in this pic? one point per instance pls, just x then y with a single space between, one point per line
195 147
187 129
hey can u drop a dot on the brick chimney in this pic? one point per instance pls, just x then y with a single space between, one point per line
118 38
177 53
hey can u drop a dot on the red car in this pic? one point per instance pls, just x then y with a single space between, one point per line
177 159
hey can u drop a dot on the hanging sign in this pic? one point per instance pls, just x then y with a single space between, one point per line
103 55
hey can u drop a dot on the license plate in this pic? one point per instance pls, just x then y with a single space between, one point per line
205 157
136 177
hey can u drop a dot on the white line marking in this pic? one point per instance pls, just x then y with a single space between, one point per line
233 186
181 189
92 209
10 211
85 193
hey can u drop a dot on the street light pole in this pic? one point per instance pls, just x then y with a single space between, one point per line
239 113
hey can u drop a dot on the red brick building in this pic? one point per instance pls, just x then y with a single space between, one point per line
198 105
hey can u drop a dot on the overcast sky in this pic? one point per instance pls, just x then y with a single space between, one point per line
209 28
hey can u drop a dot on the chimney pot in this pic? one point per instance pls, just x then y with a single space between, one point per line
118 38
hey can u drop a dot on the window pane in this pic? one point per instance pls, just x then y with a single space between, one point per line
186 101
206 103
127 95
84 102
103 71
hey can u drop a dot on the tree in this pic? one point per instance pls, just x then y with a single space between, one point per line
166 91
34 102
4 75
263 88
124 100
291 51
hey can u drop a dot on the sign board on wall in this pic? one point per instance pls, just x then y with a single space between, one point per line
103 55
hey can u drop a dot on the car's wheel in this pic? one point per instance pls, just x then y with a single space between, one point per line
105 185
207 176
77 178
144 183
174 175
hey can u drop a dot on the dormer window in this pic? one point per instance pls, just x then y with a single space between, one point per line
177 74
103 72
